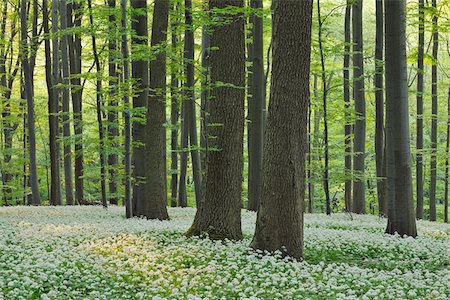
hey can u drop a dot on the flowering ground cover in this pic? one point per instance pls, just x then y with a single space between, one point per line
92 253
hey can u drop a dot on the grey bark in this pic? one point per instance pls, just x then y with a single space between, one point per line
256 107
379 107
359 142
28 82
68 177
190 92
113 125
348 125
401 218
279 224
126 100
220 216
419 122
155 203
434 117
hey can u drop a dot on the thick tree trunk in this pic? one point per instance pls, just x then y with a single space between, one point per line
279 224
256 106
126 100
419 125
113 125
398 159
220 216
28 81
155 203
75 15
379 104
190 92
68 177
434 117
139 25
99 100
359 142
348 125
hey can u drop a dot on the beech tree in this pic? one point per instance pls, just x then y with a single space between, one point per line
359 141
279 224
419 120
401 218
155 201
379 103
434 117
220 215
256 106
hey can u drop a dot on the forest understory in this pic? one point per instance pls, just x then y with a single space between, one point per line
93 253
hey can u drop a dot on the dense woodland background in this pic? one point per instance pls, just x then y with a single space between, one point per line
81 96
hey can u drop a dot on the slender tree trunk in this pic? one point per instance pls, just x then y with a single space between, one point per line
326 186
155 204
54 111
190 87
310 165
99 110
447 152
182 193
434 117
399 197
359 203
348 125
126 100
68 177
419 125
220 216
139 25
75 14
113 125
174 111
28 79
379 104
256 108
279 224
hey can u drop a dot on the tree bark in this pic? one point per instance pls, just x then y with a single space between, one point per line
52 78
113 125
190 92
401 217
379 107
434 117
220 216
28 79
174 111
126 100
419 123
155 203
68 177
256 106
139 25
348 125
75 14
359 142
279 224
447 152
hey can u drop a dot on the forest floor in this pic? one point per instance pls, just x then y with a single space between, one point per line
92 253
